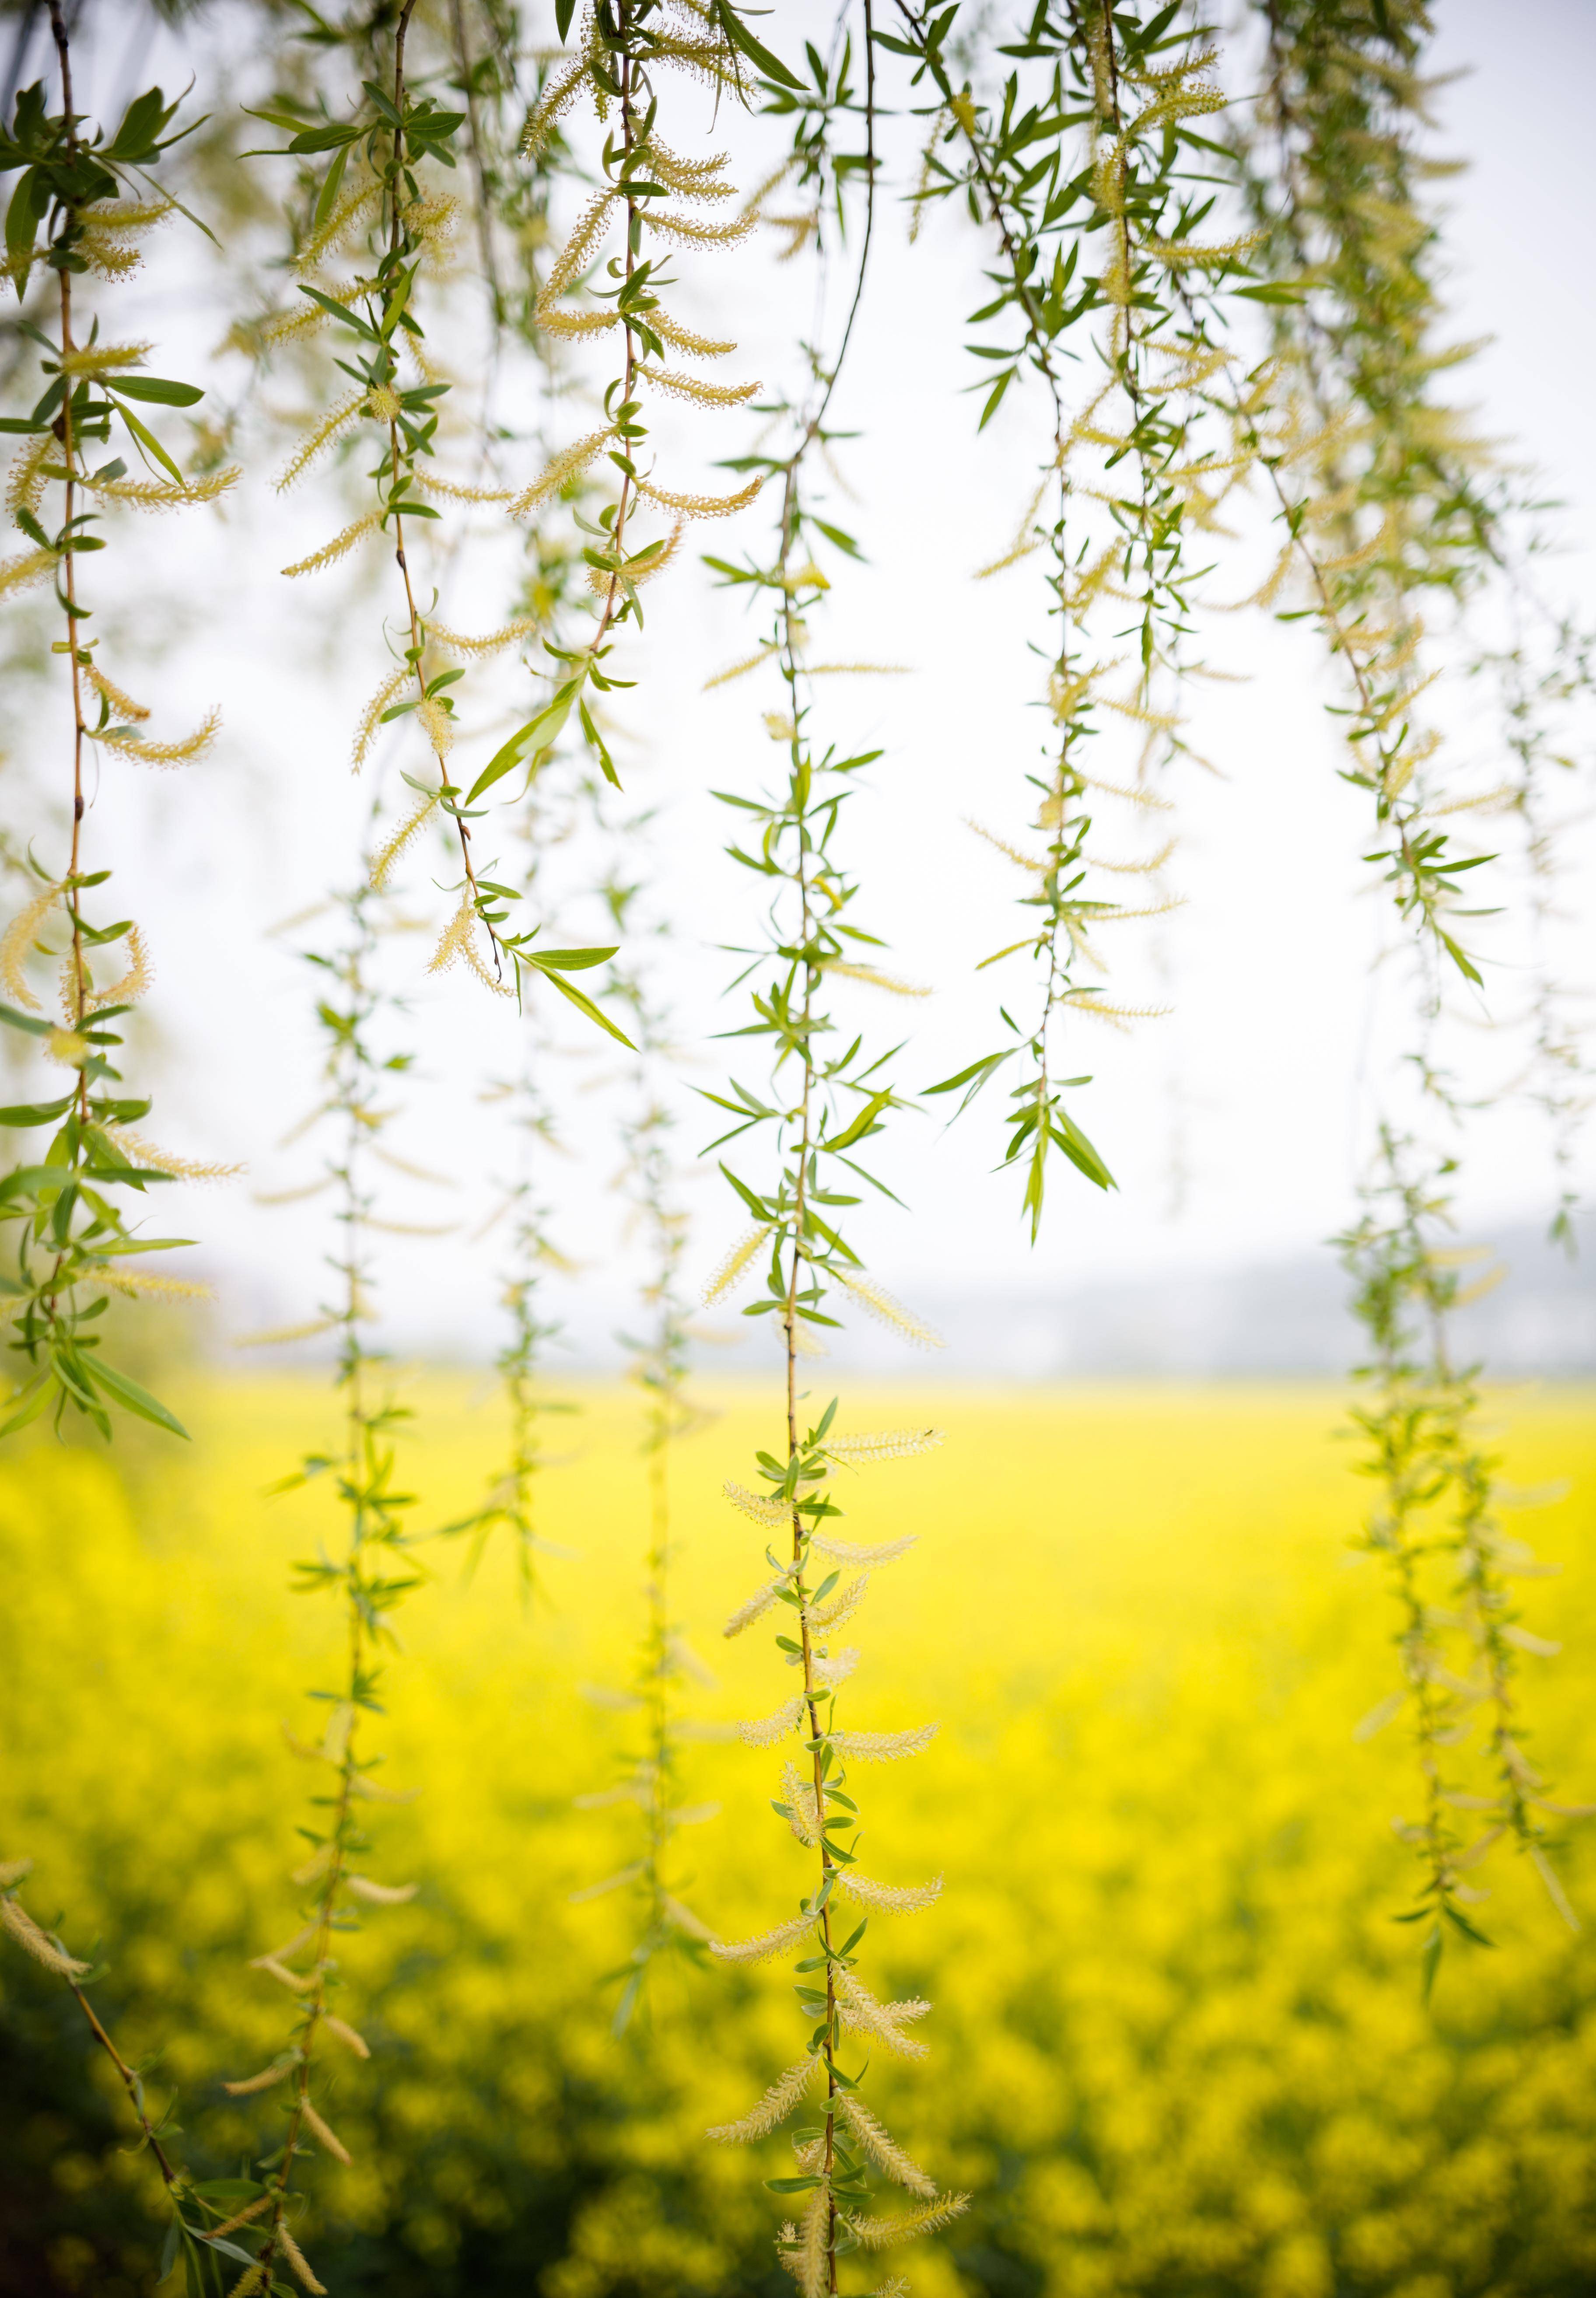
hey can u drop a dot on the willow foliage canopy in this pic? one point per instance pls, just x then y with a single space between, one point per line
453 257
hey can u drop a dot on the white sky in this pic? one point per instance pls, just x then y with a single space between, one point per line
1260 1075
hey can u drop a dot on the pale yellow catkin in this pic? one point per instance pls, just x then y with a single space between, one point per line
129 215
437 725
886 2234
25 483
347 211
765 1731
837 1668
348 2036
19 939
845 1551
773 2109
280 1334
882 1305
692 506
735 1264
814 2244
691 386
460 490
508 634
37 1943
118 701
884 2020
135 1282
134 981
882 2148
740 669
302 2266
756 1506
883 1747
22 571
573 259
165 494
338 548
104 359
699 179
562 466
757 1604
326 2136
295 1981
370 719
891 1898
683 339
163 754
265 2080
455 939
557 321
374 1791
294 325
396 842
697 232
342 412
383 1895
842 1608
556 99
240 2218
874 978
766 1945
884 1444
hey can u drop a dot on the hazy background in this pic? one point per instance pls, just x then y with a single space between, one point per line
1235 1127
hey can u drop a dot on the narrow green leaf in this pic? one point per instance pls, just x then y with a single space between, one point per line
584 1005
739 36
331 186
128 1393
154 390
538 734
150 443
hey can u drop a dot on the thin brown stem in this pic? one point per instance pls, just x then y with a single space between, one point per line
1426 1699
417 628
167 2169
417 641
1043 360
356 1474
316 2006
790 1324
58 27
659 1720
628 80
1041 354
1328 614
812 429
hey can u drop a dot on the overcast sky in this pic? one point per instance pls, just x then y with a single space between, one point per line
1236 1126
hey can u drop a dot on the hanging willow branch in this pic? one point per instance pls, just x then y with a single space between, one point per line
367 1580
391 138
650 194
1388 506
825 1101
1131 474
74 1242
651 1777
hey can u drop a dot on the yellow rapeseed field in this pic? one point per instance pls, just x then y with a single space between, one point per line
1177 2044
